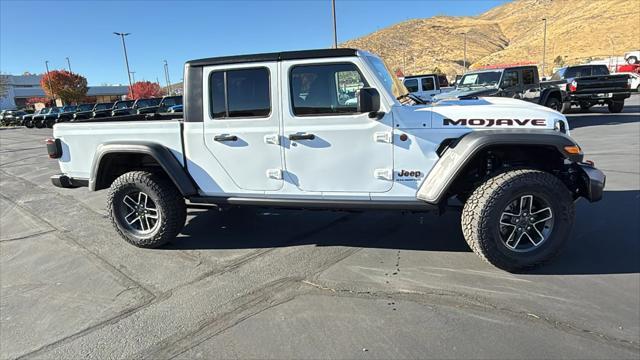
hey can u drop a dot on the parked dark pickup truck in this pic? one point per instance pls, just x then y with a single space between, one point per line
68 115
123 104
588 85
89 114
47 114
163 106
520 82
138 104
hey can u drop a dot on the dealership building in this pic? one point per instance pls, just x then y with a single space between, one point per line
20 88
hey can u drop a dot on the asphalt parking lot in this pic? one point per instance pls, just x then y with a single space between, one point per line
256 283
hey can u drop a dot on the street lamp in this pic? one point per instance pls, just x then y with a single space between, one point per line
544 46
126 59
335 33
133 75
46 65
68 64
166 75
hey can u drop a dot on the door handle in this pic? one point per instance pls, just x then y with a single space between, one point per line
225 137
301 137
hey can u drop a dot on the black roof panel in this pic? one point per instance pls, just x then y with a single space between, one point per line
278 56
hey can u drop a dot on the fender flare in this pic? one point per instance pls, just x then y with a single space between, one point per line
546 93
443 174
160 153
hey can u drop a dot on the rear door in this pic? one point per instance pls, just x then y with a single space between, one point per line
428 87
241 126
330 147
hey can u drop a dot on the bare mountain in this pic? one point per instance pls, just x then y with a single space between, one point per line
577 30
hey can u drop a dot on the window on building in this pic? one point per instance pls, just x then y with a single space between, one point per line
239 93
325 89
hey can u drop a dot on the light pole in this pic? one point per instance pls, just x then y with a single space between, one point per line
133 75
166 75
69 64
464 60
544 46
335 33
126 59
46 65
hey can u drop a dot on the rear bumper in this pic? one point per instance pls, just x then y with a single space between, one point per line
63 181
615 96
593 181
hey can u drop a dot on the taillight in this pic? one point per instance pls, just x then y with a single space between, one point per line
573 86
54 148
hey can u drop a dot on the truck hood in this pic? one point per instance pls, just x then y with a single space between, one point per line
466 92
485 113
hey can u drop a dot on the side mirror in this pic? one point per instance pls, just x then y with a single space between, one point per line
368 100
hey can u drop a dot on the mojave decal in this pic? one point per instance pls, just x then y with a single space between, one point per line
494 122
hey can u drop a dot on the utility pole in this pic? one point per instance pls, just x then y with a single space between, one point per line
544 46
133 75
46 65
335 33
126 60
464 61
166 75
69 64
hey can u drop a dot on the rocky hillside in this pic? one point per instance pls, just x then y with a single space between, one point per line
577 30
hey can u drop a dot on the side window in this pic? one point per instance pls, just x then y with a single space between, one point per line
510 79
239 93
325 89
600 70
528 77
428 84
411 85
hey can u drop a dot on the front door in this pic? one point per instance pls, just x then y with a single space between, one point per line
241 130
330 147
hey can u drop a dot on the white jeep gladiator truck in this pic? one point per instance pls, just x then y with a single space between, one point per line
334 129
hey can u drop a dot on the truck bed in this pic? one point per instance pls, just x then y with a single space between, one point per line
81 139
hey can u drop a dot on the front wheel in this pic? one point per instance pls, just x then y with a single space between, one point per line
615 106
28 124
518 219
39 124
554 103
146 209
632 60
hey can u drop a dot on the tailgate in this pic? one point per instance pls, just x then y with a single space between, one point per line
602 84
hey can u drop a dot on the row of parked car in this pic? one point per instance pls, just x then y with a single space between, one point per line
49 116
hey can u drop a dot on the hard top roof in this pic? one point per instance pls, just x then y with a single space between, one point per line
277 56
423 75
500 69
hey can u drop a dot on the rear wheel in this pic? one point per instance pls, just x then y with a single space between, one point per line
518 219
632 60
146 209
38 124
28 124
615 106
554 103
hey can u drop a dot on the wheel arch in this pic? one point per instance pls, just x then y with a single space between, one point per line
535 148
116 158
550 93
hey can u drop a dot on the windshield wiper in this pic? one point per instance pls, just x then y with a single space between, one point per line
412 97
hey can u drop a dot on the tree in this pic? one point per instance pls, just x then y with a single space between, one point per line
144 90
558 61
69 87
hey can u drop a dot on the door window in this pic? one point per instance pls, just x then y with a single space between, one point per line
528 77
411 85
510 79
600 70
325 89
428 84
239 93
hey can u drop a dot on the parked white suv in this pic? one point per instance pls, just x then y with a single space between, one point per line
426 86
334 129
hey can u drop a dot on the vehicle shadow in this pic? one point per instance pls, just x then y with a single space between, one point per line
605 239
600 115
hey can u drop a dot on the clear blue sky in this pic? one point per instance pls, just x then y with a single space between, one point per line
34 31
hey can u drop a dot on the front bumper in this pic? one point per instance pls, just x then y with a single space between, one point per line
63 181
592 182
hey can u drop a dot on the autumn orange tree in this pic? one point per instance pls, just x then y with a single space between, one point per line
67 86
144 90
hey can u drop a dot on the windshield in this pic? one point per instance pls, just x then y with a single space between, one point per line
177 100
103 106
489 78
85 107
391 83
68 108
148 102
123 104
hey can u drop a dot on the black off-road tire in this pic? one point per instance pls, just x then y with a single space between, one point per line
554 104
483 210
168 200
615 106
39 124
28 124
